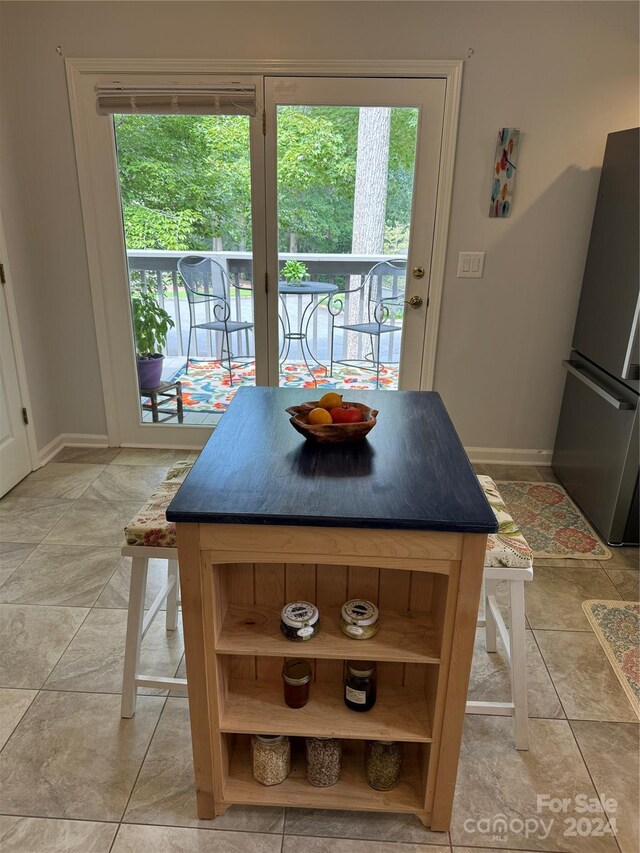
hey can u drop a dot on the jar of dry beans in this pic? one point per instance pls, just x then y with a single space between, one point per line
382 763
324 759
270 758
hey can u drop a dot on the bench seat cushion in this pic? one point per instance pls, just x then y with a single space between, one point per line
507 547
150 526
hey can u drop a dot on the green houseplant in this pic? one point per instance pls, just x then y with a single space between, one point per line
151 323
294 271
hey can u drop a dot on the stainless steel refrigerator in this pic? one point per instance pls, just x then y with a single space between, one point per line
596 450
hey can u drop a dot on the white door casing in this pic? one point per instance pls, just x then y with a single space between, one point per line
97 174
17 443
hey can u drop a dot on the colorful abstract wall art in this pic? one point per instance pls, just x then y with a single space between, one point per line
505 172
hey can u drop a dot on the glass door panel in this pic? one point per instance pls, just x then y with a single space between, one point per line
185 190
347 156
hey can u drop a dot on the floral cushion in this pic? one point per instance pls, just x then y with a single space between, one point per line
150 526
507 547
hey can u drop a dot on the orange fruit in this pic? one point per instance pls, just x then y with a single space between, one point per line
319 416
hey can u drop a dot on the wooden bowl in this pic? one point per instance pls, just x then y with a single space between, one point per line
332 433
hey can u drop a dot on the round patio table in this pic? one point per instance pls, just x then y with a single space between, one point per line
312 289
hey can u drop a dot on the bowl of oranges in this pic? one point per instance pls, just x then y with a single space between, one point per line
330 420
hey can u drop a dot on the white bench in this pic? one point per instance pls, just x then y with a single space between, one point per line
150 536
508 558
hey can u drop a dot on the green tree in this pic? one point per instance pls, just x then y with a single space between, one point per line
185 180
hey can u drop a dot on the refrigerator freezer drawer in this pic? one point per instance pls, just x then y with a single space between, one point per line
596 451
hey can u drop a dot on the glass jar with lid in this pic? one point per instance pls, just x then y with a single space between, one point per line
296 679
324 760
299 620
360 685
382 763
359 619
270 758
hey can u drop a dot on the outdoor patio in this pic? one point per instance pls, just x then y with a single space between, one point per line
207 387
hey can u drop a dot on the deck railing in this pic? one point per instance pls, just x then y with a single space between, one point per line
158 269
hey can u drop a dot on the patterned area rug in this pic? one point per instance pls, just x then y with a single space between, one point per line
552 524
616 624
207 388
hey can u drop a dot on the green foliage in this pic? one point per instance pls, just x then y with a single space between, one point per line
294 271
151 323
185 180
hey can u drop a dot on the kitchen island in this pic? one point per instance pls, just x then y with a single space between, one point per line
266 518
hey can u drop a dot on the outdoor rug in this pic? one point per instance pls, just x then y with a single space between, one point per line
206 388
616 624
552 524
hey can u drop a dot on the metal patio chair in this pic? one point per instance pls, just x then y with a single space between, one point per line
376 315
206 282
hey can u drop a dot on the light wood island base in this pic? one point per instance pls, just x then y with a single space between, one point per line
236 578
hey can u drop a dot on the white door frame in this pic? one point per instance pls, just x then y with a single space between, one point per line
34 456
80 73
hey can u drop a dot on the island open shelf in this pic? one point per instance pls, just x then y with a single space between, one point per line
257 707
403 637
351 789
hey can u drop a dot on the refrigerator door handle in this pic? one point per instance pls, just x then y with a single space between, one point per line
630 368
574 369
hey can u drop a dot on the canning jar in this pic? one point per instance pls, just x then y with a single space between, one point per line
296 678
299 620
360 685
324 759
359 619
270 758
382 763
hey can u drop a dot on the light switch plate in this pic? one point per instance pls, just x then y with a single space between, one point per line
470 264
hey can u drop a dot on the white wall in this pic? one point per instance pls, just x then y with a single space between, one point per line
565 73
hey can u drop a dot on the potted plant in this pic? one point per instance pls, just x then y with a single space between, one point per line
151 324
294 271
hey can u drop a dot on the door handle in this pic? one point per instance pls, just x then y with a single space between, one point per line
414 302
574 370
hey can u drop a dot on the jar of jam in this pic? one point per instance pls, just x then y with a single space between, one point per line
299 620
360 685
359 619
296 678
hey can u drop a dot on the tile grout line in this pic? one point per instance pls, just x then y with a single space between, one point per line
22 716
144 758
553 684
584 761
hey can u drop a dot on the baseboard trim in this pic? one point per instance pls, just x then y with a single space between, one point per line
508 456
70 439
479 455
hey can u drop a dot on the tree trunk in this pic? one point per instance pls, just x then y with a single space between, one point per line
369 204
293 242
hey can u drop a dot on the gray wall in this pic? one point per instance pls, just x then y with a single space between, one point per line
565 73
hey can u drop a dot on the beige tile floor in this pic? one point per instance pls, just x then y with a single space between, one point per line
75 778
